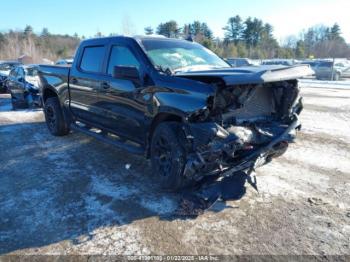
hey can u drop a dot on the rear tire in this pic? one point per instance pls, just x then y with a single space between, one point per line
54 117
168 157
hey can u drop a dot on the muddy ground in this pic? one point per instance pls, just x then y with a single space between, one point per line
73 195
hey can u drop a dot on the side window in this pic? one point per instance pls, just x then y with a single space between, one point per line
20 73
32 72
121 56
92 59
13 72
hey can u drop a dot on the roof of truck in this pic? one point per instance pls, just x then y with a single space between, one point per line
138 38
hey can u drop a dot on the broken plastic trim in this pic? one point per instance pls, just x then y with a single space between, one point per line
258 158
254 160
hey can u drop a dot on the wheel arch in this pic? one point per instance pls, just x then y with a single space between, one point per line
48 93
158 119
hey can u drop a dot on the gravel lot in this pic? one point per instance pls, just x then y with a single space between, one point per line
73 195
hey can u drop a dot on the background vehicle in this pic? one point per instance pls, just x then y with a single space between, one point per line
311 63
326 70
284 62
23 84
239 62
5 68
67 61
344 67
175 102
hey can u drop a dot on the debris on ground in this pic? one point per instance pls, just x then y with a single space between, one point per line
316 201
193 206
229 188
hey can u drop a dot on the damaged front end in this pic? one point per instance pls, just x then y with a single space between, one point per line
243 127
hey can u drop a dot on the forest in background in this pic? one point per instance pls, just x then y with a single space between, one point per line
44 45
250 37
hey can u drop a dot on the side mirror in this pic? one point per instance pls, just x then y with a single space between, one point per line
128 73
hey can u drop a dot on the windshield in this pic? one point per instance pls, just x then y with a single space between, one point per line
179 56
31 71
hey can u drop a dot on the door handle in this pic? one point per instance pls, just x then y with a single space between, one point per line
105 85
74 81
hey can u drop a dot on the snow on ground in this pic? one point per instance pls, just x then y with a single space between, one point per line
325 84
20 116
73 195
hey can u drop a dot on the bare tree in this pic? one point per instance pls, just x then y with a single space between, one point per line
128 27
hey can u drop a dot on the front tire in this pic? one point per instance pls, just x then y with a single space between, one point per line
54 117
168 156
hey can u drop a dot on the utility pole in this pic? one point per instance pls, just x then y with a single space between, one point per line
333 69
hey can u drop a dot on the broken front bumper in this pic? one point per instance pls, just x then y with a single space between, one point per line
219 154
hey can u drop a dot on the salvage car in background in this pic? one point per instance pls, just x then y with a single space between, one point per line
23 84
5 69
67 61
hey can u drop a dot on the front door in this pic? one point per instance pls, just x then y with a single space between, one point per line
121 101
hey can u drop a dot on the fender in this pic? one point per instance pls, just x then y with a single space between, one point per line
49 91
182 105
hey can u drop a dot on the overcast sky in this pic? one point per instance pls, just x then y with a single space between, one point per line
86 17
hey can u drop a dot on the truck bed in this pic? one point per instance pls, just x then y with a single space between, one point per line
55 76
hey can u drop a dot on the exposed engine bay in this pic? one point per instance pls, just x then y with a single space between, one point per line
243 127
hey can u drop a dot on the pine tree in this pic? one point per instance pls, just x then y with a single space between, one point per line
149 30
234 29
28 30
45 32
335 32
169 29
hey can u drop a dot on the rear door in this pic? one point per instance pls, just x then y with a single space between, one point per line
18 81
85 82
11 79
16 84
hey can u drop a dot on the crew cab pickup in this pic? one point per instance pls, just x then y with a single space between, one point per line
176 103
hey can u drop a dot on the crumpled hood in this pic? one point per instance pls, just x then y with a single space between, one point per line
253 75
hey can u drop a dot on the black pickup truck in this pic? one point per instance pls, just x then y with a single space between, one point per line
176 103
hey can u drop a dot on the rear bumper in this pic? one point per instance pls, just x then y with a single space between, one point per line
200 164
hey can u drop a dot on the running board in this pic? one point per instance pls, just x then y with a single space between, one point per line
104 138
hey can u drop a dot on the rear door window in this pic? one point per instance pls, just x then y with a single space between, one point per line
92 59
